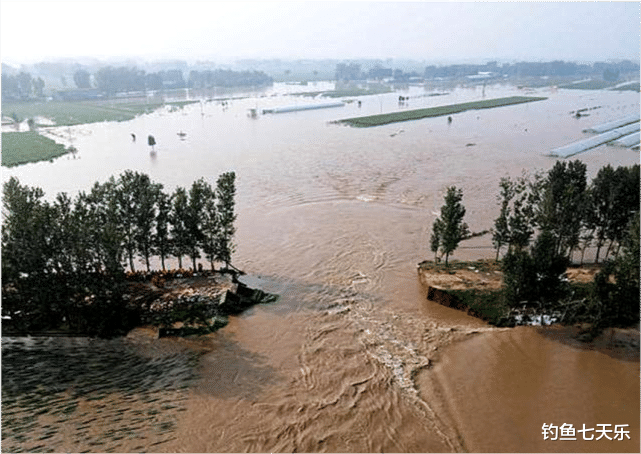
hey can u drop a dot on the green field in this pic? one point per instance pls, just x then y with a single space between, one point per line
589 85
23 147
417 114
69 113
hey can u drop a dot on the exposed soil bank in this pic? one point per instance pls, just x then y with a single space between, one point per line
474 287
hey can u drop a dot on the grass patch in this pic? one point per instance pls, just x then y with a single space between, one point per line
69 113
23 147
417 114
589 85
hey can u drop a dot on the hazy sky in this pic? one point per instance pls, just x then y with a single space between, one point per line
45 30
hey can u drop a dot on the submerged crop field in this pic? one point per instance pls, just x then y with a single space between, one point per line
69 113
23 147
417 114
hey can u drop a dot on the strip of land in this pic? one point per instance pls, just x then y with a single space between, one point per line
69 113
23 147
417 114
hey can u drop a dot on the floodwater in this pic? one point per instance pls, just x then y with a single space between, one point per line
335 219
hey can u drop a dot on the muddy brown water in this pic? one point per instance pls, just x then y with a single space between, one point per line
334 219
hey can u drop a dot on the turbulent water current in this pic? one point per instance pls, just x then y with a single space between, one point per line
353 358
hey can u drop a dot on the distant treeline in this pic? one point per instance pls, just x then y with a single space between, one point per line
227 78
109 81
557 68
63 263
21 86
606 70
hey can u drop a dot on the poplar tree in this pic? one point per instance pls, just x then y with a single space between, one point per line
225 193
178 221
161 238
194 218
210 227
449 228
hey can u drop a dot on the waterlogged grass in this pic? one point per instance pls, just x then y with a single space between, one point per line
23 147
69 113
417 114
589 85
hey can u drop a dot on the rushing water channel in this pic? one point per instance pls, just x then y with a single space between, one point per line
335 219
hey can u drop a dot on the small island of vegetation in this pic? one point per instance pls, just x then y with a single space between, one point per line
417 114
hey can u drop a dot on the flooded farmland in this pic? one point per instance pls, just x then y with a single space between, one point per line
335 219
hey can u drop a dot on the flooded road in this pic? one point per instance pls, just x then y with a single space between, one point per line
335 219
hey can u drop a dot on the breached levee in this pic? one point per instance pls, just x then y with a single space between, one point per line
593 142
417 114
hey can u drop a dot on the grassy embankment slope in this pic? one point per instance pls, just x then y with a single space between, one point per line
477 286
23 147
417 114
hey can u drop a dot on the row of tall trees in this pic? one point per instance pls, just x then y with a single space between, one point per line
227 78
22 86
557 68
60 257
544 219
111 80
578 215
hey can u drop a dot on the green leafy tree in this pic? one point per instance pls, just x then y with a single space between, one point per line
127 206
449 227
501 231
147 194
38 87
516 223
195 213
162 239
601 207
519 276
435 237
151 141
24 85
106 227
82 79
210 227
562 207
617 284
225 195
549 269
626 202
179 221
